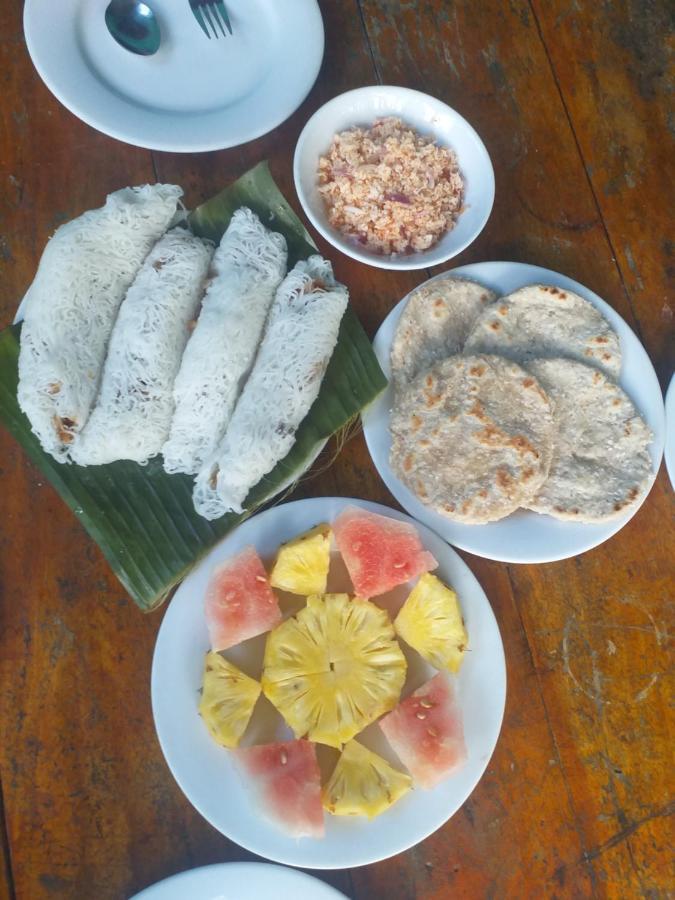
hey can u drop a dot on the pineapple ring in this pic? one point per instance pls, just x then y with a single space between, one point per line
333 668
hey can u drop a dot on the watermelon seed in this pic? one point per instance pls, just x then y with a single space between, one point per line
399 565
427 704
260 578
432 732
284 758
421 715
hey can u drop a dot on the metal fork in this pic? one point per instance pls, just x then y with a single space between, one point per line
208 12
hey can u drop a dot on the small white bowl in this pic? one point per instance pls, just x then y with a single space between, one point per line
426 115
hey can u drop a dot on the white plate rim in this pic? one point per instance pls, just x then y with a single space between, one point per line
219 876
295 853
33 25
669 449
468 537
420 260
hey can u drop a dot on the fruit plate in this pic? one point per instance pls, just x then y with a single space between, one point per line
523 537
205 772
243 880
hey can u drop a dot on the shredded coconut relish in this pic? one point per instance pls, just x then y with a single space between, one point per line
389 189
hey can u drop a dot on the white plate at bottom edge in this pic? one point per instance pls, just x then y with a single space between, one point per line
205 771
240 881
523 537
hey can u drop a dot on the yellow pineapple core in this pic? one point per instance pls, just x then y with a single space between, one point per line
430 621
363 784
333 668
301 566
228 698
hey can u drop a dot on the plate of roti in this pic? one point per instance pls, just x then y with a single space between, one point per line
523 420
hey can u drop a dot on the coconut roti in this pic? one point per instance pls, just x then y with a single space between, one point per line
542 321
601 465
473 437
435 324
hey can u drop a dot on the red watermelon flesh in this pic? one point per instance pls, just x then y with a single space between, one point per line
239 601
379 552
287 779
426 732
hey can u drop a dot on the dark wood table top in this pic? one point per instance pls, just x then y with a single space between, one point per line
570 98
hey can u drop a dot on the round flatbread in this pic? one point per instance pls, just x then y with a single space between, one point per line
435 324
545 321
472 437
601 465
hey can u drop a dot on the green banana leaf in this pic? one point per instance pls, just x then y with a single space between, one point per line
143 519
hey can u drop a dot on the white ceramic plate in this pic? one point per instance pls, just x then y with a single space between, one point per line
240 881
669 452
425 114
523 537
205 771
194 93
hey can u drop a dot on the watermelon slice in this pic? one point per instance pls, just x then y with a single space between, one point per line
287 780
239 601
426 733
379 552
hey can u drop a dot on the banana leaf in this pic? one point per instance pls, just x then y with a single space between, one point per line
143 519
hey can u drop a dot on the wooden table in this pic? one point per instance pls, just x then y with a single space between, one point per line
570 97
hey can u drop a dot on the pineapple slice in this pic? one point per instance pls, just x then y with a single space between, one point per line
301 565
431 622
363 784
228 698
333 668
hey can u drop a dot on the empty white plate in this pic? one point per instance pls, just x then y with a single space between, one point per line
194 93
240 881
205 771
524 537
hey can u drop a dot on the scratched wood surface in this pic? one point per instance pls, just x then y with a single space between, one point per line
571 100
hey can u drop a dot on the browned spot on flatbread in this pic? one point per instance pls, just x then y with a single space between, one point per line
421 491
523 446
503 478
528 382
438 302
597 377
632 493
408 463
606 356
466 506
490 435
415 422
527 474
478 410
449 507
477 370
423 442
626 429
433 400
54 387
482 493
429 381
502 310
495 326
616 401
601 340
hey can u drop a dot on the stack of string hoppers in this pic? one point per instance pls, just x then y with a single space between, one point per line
140 338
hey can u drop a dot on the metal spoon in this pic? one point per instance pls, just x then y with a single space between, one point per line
134 26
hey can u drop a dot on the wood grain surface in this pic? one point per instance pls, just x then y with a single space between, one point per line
571 99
